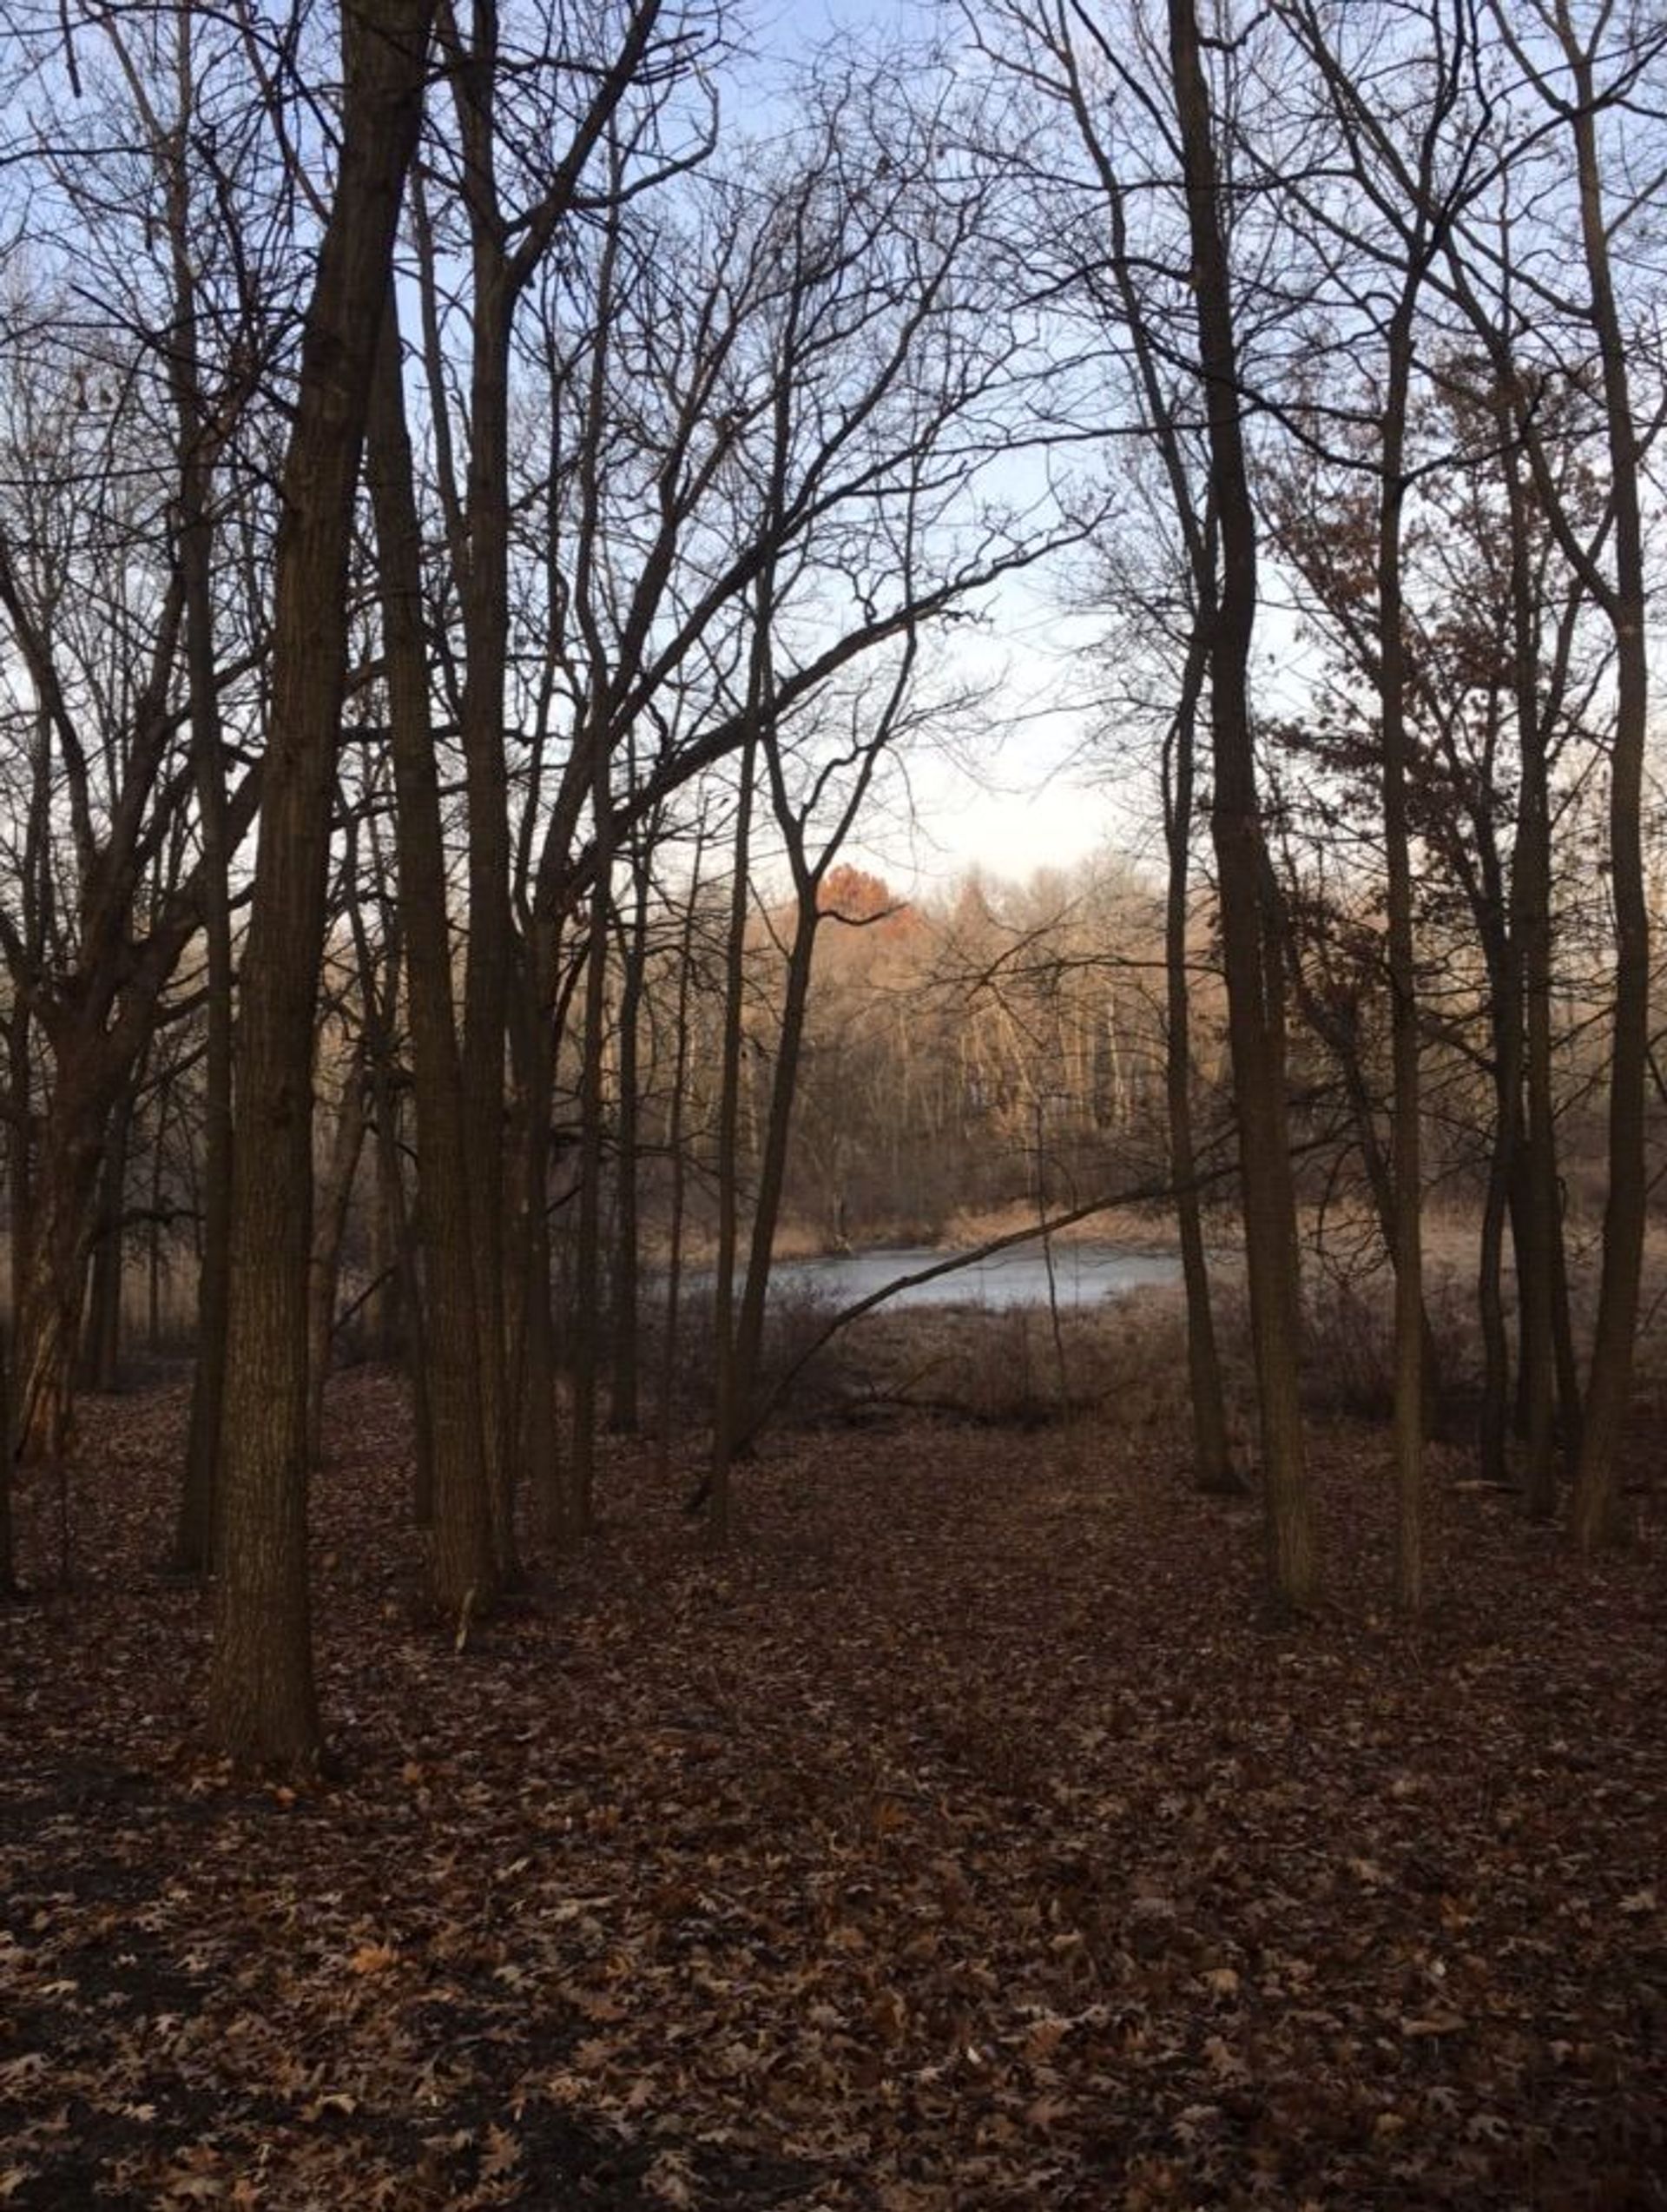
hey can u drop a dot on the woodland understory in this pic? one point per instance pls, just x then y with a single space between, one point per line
964 1837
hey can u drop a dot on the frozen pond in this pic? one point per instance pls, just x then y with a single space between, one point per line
1084 1273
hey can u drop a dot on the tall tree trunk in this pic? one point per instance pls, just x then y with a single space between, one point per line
1595 1517
725 1378
96 1042
679 1167
154 1261
193 1539
1214 1473
1570 1406
1536 1228
541 1438
391 1251
194 1536
539 1011
499 274
808 873
61 1219
101 1341
773 1168
1408 1248
463 1566
21 1139
586 1326
488 962
628 1263
1493 1422
406 1342
1249 929
263 1707
333 1199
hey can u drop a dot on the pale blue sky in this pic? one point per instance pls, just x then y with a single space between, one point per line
1032 803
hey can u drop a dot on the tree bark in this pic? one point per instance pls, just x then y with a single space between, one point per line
463 1571
1409 1180
263 1706
1535 1226
1213 1471
679 1166
1249 929
199 439
1594 1515
333 1199
498 277
725 1402
62 1223
100 1338
624 1413
586 1329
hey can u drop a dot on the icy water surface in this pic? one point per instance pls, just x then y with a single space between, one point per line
1084 1273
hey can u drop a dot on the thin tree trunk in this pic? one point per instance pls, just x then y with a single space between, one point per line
498 275
773 1169
463 1566
154 1239
1534 1223
808 877
333 1199
1571 1410
20 1144
540 1429
194 1536
1214 1473
627 1264
725 1406
1493 1421
1594 1514
1408 1177
585 1333
1249 928
62 1217
679 1168
101 1343
407 1343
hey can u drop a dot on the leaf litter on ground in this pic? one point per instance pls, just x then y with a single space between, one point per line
964 1838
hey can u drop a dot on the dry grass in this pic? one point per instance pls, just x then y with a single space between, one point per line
1141 1228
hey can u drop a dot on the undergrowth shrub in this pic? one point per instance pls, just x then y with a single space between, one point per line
1348 1364
1122 1363
796 1316
1349 1353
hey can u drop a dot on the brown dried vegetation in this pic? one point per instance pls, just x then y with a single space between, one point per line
960 1841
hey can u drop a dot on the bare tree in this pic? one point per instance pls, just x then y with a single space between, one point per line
1597 79
1380 243
1251 936
1063 56
532 133
263 1708
149 173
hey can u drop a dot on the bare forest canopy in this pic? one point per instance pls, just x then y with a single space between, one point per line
497 508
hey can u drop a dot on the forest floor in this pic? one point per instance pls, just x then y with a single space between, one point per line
964 1839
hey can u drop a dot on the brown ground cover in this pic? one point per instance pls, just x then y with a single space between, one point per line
964 1839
